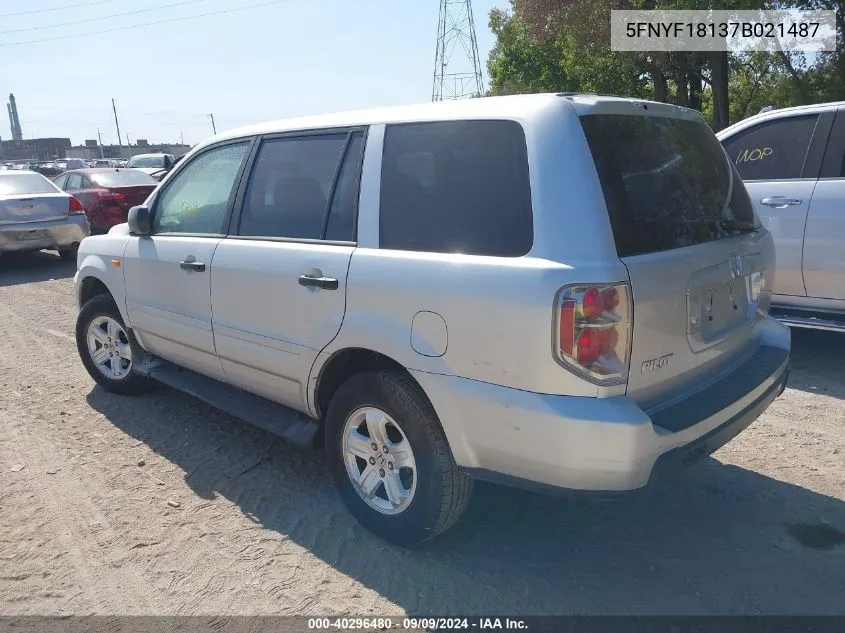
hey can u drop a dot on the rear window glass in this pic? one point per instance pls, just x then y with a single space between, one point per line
146 162
122 178
456 187
666 182
16 184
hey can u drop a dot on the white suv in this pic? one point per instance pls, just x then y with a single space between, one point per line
555 291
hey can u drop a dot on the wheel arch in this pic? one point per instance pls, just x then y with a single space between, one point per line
94 279
331 369
342 364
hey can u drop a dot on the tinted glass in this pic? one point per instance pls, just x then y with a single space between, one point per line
666 182
122 178
456 187
341 225
289 189
146 162
774 150
60 181
197 199
15 184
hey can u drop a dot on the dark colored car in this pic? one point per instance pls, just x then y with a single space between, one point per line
107 194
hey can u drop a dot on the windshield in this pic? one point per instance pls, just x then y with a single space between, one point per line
146 161
667 182
18 184
122 178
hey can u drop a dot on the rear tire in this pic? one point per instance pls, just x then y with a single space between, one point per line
105 349
69 254
433 490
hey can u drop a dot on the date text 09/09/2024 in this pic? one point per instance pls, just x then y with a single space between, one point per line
421 624
721 29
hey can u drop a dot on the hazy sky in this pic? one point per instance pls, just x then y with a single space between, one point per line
291 58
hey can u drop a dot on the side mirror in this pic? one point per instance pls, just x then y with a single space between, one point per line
140 220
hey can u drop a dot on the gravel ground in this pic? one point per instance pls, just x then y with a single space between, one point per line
161 505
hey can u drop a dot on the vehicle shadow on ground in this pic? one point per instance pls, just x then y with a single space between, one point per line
721 540
27 268
817 363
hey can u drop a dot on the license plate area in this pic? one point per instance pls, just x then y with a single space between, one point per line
28 236
722 307
718 303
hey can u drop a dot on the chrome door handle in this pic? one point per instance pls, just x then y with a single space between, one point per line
189 265
779 202
326 283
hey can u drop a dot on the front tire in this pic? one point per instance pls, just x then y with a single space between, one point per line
105 349
391 461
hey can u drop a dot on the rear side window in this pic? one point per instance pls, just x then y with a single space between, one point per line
666 182
456 187
775 150
17 184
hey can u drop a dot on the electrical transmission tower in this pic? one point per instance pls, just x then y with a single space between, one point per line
457 67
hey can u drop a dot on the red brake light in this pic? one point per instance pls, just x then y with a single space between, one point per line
75 207
110 195
594 329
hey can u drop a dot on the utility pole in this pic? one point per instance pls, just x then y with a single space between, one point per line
100 139
213 127
181 138
117 125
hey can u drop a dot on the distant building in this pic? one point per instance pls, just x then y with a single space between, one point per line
35 149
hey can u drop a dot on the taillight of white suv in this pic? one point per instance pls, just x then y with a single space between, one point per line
593 331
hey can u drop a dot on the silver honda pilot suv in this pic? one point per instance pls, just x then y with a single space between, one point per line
551 291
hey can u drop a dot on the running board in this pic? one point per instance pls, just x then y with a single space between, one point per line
265 414
810 320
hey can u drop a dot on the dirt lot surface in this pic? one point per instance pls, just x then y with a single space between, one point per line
87 524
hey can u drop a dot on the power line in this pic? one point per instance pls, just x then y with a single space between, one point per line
136 26
67 6
103 17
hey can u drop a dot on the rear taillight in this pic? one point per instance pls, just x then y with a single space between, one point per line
110 195
75 207
593 331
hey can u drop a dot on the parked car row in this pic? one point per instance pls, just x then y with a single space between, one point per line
549 291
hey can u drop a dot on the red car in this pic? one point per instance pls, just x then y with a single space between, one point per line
107 194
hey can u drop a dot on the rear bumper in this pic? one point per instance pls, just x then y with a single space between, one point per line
601 444
33 236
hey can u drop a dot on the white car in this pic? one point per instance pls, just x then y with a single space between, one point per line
36 214
792 163
550 291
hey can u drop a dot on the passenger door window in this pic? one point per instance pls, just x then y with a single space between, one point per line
304 188
197 199
456 187
61 182
774 150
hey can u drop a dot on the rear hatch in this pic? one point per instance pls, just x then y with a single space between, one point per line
29 197
686 231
